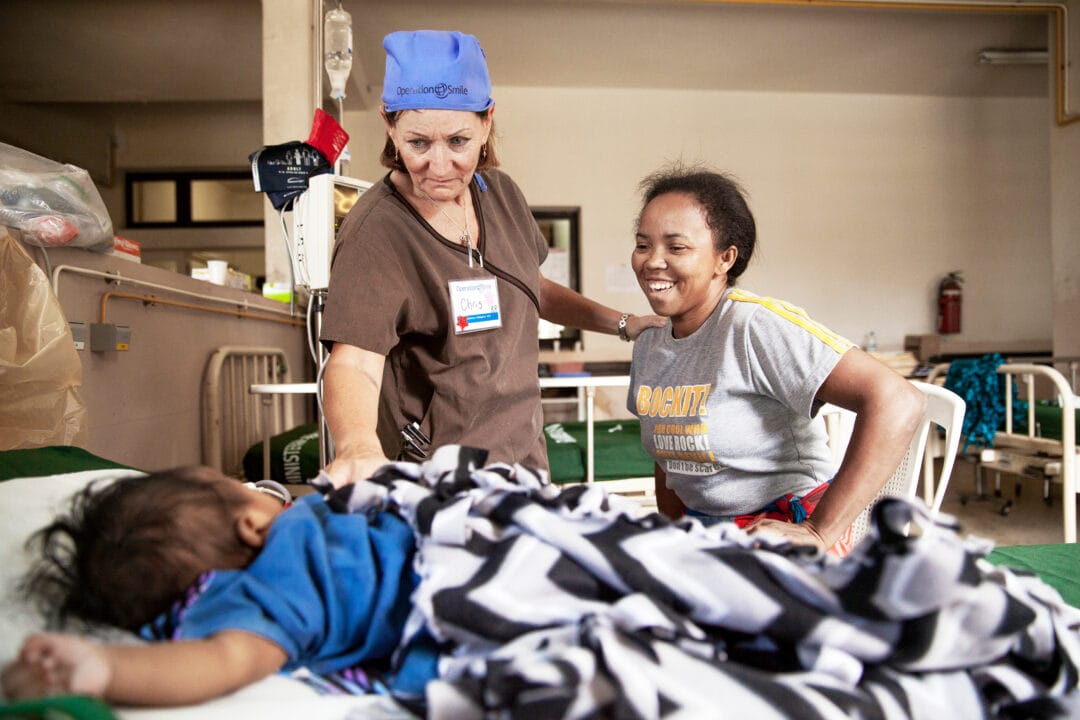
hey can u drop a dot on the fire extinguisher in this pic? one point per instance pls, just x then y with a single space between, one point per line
949 297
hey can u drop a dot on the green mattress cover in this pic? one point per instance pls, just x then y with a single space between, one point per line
52 460
294 455
1049 419
617 454
1057 565
58 707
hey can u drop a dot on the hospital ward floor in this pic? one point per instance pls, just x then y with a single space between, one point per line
1028 521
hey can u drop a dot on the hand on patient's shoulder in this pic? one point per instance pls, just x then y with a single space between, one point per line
57 664
638 324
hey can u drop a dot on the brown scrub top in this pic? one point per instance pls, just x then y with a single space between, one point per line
389 294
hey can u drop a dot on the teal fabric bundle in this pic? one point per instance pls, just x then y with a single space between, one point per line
977 381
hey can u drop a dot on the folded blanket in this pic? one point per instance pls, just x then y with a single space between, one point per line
553 605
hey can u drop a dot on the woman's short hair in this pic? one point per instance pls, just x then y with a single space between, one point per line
723 200
390 158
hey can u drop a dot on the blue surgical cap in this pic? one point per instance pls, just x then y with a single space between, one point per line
435 69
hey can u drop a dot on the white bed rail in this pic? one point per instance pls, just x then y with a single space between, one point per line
588 385
1060 454
233 419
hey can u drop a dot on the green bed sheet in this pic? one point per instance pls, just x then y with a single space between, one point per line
58 707
51 460
294 455
618 452
1049 419
1058 565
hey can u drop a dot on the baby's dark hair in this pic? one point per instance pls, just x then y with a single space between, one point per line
127 549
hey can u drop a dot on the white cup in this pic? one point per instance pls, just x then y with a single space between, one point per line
219 271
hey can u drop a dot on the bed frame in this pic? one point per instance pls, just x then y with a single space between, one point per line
642 488
233 418
1027 454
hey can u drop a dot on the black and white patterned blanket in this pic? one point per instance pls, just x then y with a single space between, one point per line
565 605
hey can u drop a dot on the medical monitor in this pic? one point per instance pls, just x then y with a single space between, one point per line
317 215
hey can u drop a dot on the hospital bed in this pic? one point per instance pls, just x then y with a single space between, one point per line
1027 447
30 500
34 485
249 431
232 418
591 450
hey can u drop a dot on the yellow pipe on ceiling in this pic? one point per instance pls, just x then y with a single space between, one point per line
1058 11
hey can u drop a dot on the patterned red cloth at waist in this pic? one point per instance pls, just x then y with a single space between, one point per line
793 509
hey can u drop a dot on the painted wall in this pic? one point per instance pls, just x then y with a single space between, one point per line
144 406
863 203
1065 213
108 142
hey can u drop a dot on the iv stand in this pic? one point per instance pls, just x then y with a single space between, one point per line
326 442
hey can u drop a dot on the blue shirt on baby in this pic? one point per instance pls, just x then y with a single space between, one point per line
331 589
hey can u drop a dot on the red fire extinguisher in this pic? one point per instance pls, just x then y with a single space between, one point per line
949 297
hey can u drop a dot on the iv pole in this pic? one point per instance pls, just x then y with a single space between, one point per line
317 297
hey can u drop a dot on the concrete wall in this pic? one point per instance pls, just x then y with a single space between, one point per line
863 202
144 405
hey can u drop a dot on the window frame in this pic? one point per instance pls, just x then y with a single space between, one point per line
182 180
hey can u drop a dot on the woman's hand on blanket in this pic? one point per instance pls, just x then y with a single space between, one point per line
803 533
57 664
349 468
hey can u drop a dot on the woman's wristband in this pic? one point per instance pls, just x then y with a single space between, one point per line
623 334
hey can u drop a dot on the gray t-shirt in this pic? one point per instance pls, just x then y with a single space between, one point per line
728 411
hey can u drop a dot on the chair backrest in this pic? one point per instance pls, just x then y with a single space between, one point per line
839 423
944 408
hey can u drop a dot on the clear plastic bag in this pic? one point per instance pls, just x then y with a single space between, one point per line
40 371
48 203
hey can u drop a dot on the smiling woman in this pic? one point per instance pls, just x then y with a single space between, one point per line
728 392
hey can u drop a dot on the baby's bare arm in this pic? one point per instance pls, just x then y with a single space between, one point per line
171 673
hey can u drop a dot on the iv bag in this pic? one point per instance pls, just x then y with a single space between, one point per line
337 44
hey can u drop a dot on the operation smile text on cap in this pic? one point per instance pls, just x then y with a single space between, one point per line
435 69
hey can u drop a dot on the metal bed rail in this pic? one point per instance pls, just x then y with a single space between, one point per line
233 419
1014 451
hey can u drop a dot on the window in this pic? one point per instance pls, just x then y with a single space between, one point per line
192 199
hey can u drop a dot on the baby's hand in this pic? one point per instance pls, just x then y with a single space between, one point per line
56 664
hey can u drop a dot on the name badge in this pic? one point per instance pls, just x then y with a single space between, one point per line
475 304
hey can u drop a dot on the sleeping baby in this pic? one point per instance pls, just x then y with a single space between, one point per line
475 591
244 585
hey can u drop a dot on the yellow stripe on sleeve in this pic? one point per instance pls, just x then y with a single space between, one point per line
798 316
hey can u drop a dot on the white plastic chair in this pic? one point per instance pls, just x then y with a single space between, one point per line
943 408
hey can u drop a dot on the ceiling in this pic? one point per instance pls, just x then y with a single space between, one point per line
146 51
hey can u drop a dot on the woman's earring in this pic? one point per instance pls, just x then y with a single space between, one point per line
483 152
397 158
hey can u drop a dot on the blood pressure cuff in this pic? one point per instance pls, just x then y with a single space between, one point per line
282 171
